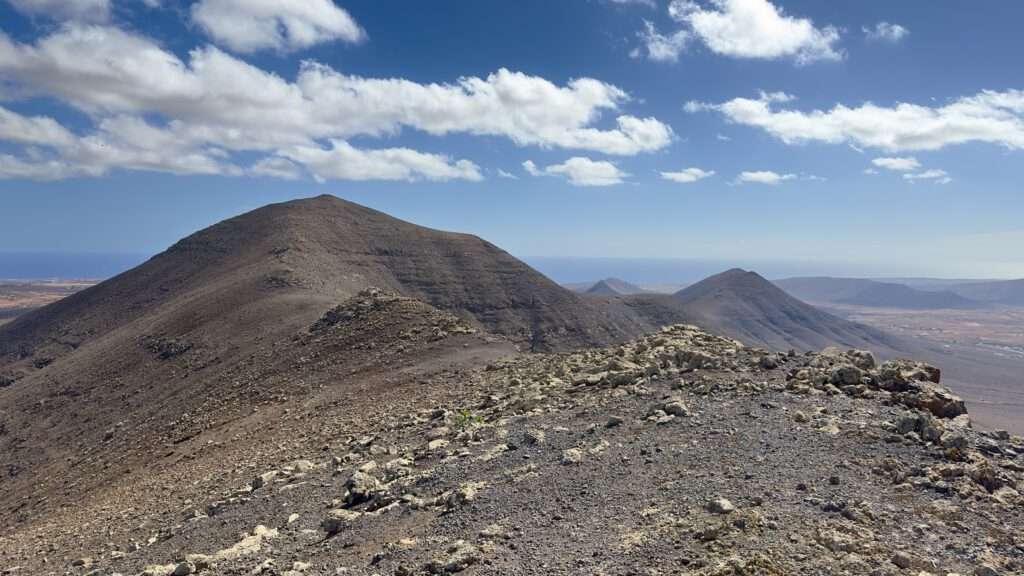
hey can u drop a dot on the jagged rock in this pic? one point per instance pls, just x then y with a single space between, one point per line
572 456
908 561
720 506
534 436
862 359
458 557
337 519
361 487
264 479
675 407
845 375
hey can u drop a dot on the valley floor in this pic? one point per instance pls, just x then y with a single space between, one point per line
981 353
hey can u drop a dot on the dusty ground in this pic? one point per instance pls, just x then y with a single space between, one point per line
980 351
996 330
20 296
681 453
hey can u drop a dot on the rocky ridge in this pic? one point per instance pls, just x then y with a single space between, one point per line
678 453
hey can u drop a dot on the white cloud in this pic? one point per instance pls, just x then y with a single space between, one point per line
904 164
648 3
32 130
661 47
870 171
755 29
507 175
344 162
687 175
126 142
936 175
763 177
284 25
989 116
885 31
80 10
105 70
581 171
216 101
276 167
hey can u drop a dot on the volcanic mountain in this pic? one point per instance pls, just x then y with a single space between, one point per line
614 287
745 306
222 322
280 266
317 388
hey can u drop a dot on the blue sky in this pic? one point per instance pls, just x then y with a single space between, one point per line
869 138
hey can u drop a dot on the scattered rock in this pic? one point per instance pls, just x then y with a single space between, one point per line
572 456
720 506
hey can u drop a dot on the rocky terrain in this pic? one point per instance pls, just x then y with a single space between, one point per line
678 453
315 388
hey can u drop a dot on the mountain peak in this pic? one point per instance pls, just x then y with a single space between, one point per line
614 287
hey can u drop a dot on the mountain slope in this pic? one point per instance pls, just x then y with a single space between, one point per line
614 287
1008 292
861 292
680 449
302 256
745 306
217 326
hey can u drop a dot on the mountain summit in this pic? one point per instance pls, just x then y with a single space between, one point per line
746 306
288 262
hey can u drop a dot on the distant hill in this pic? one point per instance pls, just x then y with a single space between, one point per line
745 306
862 292
614 287
1007 292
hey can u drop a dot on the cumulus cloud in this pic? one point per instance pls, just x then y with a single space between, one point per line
507 175
126 142
213 100
989 116
660 47
755 29
581 171
687 175
935 175
342 161
80 10
763 177
276 167
898 164
284 25
886 32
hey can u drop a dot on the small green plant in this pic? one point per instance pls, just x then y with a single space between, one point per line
466 419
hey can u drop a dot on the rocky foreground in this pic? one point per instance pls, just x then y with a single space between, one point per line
679 453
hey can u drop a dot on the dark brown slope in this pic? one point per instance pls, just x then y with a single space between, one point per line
265 266
751 309
614 287
201 335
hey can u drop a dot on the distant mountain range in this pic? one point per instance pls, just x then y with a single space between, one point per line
873 293
913 294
